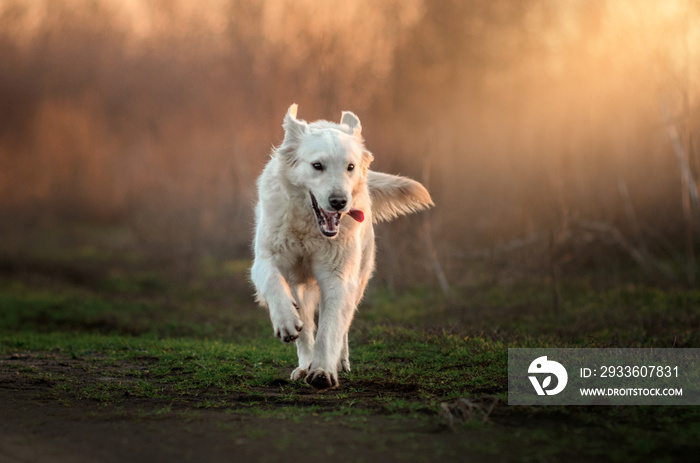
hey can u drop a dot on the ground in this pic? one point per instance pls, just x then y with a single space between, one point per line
104 357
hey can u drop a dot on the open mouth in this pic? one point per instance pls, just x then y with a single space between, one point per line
328 222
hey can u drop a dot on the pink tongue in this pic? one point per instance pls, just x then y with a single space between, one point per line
357 214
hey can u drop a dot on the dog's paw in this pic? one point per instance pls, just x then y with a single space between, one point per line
287 325
298 373
322 379
289 333
344 365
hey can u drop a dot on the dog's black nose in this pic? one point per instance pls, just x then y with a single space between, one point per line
337 201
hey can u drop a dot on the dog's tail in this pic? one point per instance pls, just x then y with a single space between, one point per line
393 196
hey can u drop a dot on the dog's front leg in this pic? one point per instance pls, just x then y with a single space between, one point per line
307 297
335 315
274 292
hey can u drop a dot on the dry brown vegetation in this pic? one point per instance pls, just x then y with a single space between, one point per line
551 131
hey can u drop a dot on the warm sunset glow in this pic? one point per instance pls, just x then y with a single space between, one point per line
534 114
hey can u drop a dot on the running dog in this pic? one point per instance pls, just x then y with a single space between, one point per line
314 237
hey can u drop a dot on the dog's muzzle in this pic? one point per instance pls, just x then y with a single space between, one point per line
329 222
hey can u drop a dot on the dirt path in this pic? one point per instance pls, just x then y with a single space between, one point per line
42 424
44 430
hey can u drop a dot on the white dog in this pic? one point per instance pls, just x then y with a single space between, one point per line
314 237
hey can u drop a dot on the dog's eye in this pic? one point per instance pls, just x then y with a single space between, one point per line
351 167
318 166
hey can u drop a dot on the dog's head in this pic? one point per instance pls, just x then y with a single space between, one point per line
329 163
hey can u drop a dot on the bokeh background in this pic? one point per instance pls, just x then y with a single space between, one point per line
556 136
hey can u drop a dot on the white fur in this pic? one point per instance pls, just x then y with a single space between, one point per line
297 269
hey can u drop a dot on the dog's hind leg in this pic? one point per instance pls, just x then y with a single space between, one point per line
307 297
344 363
367 267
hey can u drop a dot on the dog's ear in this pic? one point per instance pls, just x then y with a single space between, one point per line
353 122
294 129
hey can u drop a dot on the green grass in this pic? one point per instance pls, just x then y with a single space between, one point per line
119 331
399 371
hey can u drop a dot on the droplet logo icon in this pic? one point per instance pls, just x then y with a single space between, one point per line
543 366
